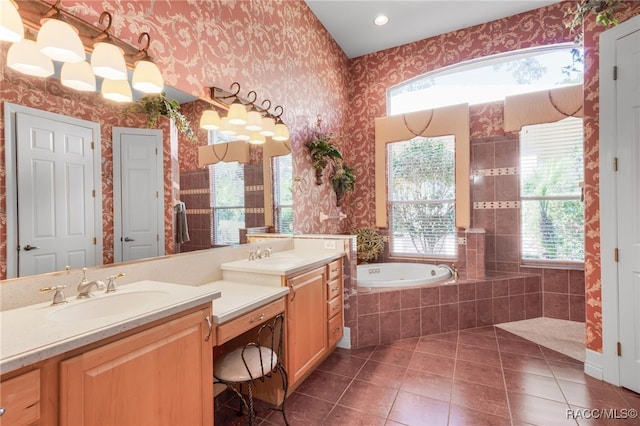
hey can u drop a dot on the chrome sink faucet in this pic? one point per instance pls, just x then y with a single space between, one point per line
111 282
85 286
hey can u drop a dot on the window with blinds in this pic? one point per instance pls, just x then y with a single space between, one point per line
227 199
421 197
551 207
282 172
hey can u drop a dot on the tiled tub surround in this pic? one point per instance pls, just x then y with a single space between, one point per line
385 316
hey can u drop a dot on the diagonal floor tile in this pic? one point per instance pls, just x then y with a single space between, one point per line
411 409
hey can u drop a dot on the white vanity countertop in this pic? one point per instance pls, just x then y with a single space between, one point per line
238 298
37 332
283 263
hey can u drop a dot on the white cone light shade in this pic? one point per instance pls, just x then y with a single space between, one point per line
226 128
282 133
147 78
25 57
268 126
256 138
254 121
117 90
107 61
11 28
237 114
78 76
210 120
60 42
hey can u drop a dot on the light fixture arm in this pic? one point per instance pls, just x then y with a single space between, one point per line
104 35
54 10
277 113
143 54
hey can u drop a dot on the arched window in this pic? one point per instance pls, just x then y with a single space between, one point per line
490 79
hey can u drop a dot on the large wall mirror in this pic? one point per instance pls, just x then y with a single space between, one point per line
211 217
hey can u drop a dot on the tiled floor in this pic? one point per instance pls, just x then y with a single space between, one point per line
483 376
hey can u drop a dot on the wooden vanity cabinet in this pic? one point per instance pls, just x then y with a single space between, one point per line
334 302
158 376
20 399
306 323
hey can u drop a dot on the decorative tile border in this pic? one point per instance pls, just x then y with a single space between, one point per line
199 211
195 191
505 171
484 205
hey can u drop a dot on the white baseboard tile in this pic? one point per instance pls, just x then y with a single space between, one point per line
345 342
593 364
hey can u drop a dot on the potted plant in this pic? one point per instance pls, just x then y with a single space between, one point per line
322 153
343 180
158 105
369 244
605 14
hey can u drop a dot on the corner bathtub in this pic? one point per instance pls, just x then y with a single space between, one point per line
397 275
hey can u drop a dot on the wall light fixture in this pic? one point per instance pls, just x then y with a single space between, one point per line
246 119
66 38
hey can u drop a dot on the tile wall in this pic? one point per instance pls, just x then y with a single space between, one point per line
385 316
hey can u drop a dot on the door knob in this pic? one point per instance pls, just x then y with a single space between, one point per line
30 247
127 239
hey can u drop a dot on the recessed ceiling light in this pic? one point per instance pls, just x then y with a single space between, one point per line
381 20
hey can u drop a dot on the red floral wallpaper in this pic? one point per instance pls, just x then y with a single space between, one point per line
277 48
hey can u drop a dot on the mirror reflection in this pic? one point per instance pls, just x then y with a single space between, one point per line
220 203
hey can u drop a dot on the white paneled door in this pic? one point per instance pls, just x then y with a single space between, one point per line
55 193
628 208
138 193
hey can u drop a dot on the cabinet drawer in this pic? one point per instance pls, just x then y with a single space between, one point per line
335 329
246 322
334 289
334 269
20 398
334 306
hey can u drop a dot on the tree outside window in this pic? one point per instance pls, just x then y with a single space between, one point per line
422 197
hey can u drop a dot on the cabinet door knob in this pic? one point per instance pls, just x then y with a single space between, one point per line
2 410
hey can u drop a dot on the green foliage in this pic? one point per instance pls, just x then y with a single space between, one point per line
322 151
605 14
555 227
343 180
155 106
423 177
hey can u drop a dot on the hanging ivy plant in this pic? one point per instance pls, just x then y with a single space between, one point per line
343 181
156 106
605 14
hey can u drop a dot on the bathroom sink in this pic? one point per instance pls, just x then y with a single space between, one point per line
106 305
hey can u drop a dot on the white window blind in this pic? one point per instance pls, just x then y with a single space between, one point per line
227 199
282 172
551 175
422 197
